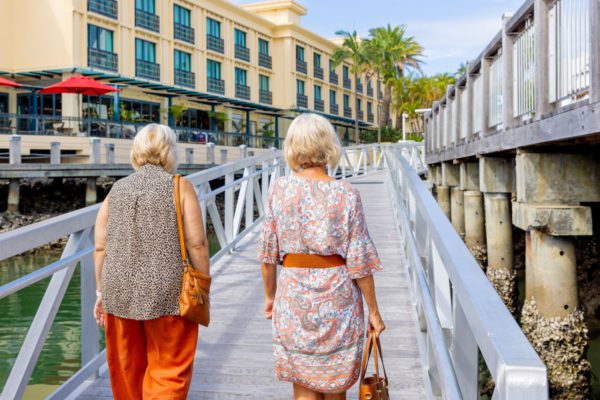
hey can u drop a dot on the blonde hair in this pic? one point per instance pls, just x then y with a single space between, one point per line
311 141
155 144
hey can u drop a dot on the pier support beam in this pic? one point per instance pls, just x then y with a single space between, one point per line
550 189
443 199
13 195
457 210
91 192
475 225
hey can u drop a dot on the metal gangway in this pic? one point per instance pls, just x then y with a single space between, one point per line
442 310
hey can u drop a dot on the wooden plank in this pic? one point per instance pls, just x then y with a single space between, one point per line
235 358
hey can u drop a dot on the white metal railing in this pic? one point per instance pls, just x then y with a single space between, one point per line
246 184
459 312
464 112
495 101
477 104
524 70
454 110
569 45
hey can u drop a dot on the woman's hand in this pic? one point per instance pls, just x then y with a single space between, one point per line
100 312
376 323
269 307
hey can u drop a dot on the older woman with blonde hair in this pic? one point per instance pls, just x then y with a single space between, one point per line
314 226
150 348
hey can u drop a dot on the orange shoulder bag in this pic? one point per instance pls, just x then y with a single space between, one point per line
373 387
194 303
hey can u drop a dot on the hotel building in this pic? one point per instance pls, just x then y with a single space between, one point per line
254 63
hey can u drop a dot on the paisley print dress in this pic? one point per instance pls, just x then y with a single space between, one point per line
318 319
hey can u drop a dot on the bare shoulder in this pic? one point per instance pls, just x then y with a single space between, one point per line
186 186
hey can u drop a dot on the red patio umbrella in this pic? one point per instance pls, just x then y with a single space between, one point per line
6 82
79 85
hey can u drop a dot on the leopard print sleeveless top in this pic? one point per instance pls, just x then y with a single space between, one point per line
142 273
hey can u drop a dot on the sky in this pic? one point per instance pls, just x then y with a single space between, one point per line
451 31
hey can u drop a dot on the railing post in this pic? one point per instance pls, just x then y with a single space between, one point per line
90 334
508 118
94 151
189 155
458 93
469 94
210 153
110 153
485 96
243 151
594 50
542 70
229 207
223 156
15 149
436 125
54 152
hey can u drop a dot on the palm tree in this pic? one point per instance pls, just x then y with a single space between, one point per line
352 49
394 52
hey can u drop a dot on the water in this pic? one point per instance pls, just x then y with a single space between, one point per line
61 355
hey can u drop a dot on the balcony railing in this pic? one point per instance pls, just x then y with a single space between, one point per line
301 101
147 20
369 91
347 84
147 69
103 60
380 97
318 72
370 118
108 8
319 105
334 109
333 78
184 32
360 115
301 66
242 53
185 78
347 112
215 43
265 61
265 97
242 92
359 87
215 85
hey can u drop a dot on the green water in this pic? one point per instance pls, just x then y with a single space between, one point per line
61 354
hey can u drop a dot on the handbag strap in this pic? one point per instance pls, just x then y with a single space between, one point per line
184 255
373 344
366 356
378 342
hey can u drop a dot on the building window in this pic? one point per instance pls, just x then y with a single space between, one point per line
263 47
241 51
181 15
346 72
240 38
183 61
183 69
263 83
299 53
213 27
145 15
3 103
146 5
346 101
317 60
145 51
182 28
300 87
332 97
213 69
331 66
369 108
241 76
100 39
317 92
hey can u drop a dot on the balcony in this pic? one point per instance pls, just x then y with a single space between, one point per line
318 72
265 97
185 78
347 112
319 105
242 53
242 92
347 84
184 33
334 109
333 78
215 43
359 87
301 66
264 60
146 20
147 69
360 115
103 60
370 117
108 8
369 91
215 85
301 101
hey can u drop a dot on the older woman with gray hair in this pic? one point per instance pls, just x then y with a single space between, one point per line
150 348
314 226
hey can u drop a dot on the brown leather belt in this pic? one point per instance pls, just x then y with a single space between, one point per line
312 261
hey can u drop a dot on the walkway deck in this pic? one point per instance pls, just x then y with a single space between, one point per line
234 358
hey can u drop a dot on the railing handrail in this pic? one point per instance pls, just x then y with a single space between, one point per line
515 366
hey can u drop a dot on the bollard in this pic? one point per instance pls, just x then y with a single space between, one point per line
210 153
189 155
243 151
110 153
54 152
223 156
94 151
15 149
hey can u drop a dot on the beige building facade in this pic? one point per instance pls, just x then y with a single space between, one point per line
247 69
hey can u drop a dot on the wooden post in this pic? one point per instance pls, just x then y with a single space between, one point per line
458 104
189 155
94 151
594 51
485 97
210 153
54 152
542 70
15 150
508 118
469 94
435 125
110 153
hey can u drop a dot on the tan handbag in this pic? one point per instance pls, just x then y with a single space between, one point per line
194 303
373 387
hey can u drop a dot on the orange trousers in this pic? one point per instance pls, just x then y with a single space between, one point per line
150 359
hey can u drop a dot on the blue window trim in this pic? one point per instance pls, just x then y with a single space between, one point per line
331 66
213 27
181 15
317 57
299 52
332 96
263 45
183 60
148 6
95 38
241 76
369 107
213 69
264 83
346 101
318 92
239 37
145 50
300 87
346 71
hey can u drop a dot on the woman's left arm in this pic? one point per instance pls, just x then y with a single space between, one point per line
269 273
99 257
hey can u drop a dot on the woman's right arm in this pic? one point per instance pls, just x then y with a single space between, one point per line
367 287
193 228
99 256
